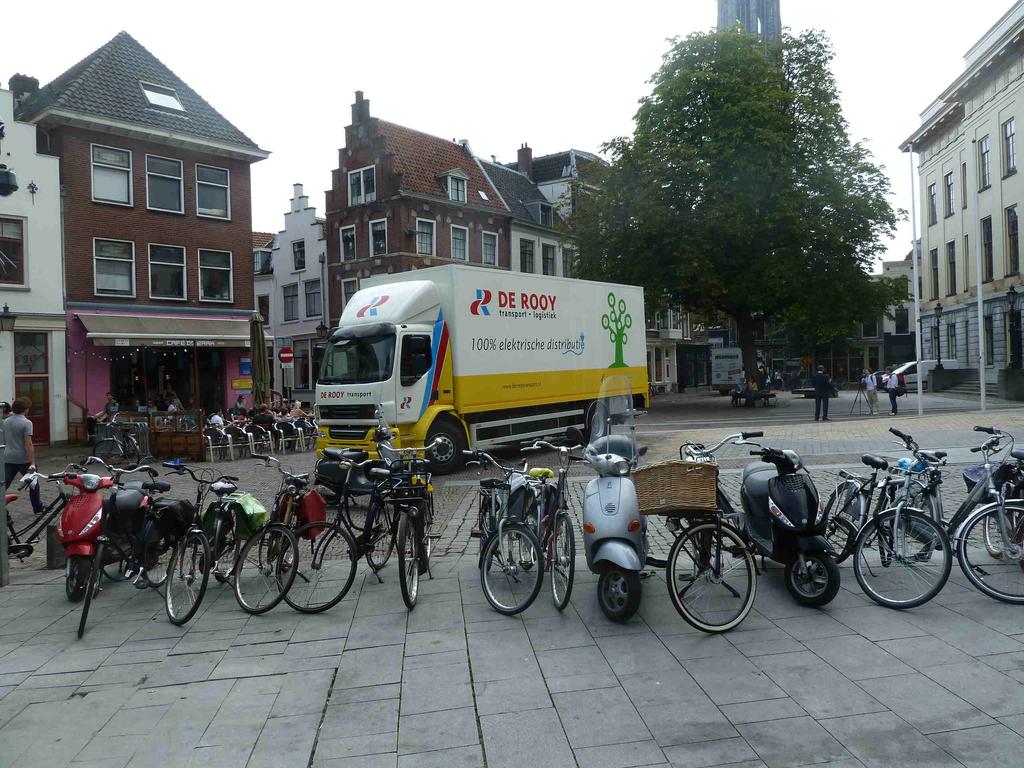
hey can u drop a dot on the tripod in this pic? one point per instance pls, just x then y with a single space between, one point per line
858 402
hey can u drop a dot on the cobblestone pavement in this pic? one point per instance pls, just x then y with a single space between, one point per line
452 683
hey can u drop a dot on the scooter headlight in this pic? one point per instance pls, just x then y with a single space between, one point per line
621 467
777 514
92 523
820 517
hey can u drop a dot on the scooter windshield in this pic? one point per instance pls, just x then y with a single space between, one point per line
613 425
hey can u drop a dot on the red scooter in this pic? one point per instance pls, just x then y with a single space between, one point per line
80 526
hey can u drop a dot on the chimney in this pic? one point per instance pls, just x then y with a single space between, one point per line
524 162
361 109
299 200
21 87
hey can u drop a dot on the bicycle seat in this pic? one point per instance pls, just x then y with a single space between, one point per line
489 483
1018 454
875 462
933 456
223 488
539 473
378 473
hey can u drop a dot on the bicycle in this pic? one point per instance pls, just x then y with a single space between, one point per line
511 557
324 575
21 542
118 438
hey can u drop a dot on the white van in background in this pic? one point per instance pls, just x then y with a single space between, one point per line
910 371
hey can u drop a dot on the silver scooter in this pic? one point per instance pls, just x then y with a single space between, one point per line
614 531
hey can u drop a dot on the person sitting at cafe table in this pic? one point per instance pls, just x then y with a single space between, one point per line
264 417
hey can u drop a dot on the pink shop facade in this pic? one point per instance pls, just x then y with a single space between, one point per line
201 360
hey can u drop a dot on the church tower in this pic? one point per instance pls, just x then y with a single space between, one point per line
757 17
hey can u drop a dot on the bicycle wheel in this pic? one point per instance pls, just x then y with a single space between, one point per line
223 548
512 569
90 587
188 573
902 562
1000 577
711 577
408 560
265 568
381 538
841 534
325 568
562 556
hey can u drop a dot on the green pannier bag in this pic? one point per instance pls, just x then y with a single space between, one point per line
245 509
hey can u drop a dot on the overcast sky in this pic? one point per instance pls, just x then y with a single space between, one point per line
553 74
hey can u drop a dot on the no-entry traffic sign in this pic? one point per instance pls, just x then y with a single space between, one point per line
286 357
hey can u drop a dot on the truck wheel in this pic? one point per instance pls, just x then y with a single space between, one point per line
447 457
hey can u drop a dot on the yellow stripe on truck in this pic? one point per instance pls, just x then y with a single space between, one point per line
516 390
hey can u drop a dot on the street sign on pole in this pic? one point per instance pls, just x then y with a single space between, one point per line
286 357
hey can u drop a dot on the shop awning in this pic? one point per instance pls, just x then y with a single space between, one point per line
150 331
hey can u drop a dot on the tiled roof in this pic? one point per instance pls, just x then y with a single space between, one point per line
422 159
557 166
262 239
515 189
106 83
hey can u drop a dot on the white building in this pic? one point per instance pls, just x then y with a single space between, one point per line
32 360
291 295
970 195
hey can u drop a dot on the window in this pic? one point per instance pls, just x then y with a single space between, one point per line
1009 148
314 307
348 243
299 255
951 342
349 289
967 262
934 254
547 258
160 96
951 267
933 340
933 209
526 256
460 243
567 258
985 162
214 275
262 262
457 189
902 320
425 237
166 272
415 359
164 188
290 302
990 347
1012 241
546 219
963 185
263 307
114 267
490 248
986 249
950 202
362 186
111 175
301 365
379 237
12 252
869 329
213 192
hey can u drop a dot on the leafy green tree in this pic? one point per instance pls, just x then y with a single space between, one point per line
740 193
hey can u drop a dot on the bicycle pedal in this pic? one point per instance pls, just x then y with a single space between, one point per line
475 533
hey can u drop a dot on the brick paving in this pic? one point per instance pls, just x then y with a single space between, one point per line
453 683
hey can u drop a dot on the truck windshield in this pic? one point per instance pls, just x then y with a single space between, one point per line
359 361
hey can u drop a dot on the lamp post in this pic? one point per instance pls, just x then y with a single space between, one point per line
7 320
938 336
1012 297
322 330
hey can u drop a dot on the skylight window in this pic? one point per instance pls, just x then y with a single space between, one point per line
483 195
159 96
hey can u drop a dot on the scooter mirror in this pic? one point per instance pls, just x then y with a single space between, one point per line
642 450
575 436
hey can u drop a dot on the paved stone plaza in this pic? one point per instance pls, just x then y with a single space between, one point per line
452 683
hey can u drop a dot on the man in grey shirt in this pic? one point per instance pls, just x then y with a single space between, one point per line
19 452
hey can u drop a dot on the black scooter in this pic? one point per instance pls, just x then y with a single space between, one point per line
786 523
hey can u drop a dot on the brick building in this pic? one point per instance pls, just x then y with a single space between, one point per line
157 229
402 199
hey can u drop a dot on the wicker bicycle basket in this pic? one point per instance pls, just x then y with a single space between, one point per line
675 485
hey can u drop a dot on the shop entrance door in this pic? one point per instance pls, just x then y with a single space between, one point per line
31 380
36 389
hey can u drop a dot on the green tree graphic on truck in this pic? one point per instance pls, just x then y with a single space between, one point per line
617 321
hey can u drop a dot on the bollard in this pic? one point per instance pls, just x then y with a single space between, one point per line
54 549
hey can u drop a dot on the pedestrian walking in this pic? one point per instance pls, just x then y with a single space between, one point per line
869 384
895 385
822 392
19 452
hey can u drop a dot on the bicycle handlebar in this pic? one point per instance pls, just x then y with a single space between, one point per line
182 469
268 460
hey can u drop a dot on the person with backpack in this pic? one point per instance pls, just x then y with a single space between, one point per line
895 385
870 386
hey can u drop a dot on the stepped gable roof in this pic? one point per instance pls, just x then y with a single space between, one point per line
107 83
423 160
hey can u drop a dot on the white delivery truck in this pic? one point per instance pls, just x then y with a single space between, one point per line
726 369
476 357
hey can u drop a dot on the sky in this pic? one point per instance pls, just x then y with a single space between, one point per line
552 74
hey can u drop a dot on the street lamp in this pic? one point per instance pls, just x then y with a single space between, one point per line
322 330
7 319
1012 298
938 336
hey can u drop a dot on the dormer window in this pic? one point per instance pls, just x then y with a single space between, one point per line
455 182
545 216
159 96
